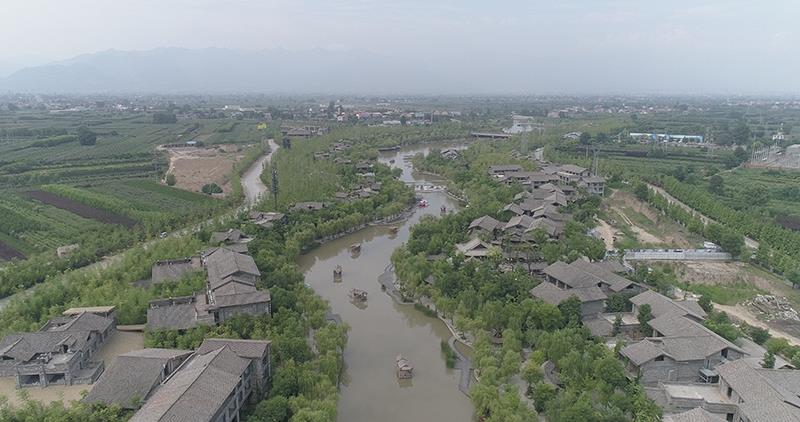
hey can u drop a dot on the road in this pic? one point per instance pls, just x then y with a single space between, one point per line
253 189
750 243
742 313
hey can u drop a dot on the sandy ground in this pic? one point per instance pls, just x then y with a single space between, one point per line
121 342
195 167
607 234
741 312
643 235
710 272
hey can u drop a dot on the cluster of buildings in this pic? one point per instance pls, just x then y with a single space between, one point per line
565 177
232 276
211 383
62 352
693 373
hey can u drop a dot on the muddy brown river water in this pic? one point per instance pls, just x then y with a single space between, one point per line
381 329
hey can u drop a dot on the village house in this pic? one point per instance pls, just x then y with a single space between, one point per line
501 171
133 376
258 352
680 350
474 248
450 154
231 290
592 298
230 236
61 352
743 393
267 219
694 415
486 226
211 385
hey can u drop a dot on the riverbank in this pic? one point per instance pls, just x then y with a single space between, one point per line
382 327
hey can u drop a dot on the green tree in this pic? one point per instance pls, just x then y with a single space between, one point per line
571 310
759 335
542 394
86 136
716 185
210 188
641 191
644 316
705 303
769 360
170 179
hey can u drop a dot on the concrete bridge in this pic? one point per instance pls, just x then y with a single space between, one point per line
421 187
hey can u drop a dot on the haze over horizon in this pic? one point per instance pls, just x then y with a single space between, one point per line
411 46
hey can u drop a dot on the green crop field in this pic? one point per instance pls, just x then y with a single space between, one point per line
117 175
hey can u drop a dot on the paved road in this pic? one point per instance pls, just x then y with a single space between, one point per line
750 243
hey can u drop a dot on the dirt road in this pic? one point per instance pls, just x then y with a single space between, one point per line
253 187
741 313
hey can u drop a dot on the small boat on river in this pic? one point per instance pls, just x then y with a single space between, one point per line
443 209
358 294
405 369
337 272
355 247
394 229
423 203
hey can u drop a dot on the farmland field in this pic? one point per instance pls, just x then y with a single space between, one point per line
55 191
80 209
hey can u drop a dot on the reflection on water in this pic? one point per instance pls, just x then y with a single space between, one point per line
382 329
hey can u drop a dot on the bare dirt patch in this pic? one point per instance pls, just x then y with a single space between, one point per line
607 234
8 253
658 230
195 167
721 273
80 209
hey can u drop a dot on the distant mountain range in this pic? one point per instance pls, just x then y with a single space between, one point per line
216 70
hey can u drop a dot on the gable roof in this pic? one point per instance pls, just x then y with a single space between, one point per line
197 390
485 223
473 247
553 295
661 305
132 375
698 414
642 352
248 349
765 397
223 263
615 282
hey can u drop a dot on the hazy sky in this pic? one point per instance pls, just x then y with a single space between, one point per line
725 45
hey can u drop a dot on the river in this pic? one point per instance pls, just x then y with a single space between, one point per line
381 328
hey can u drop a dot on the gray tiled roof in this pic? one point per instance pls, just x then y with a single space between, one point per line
175 316
84 321
249 349
661 305
486 223
765 398
258 296
616 283
223 263
641 352
697 414
23 347
197 390
132 375
570 275
553 295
